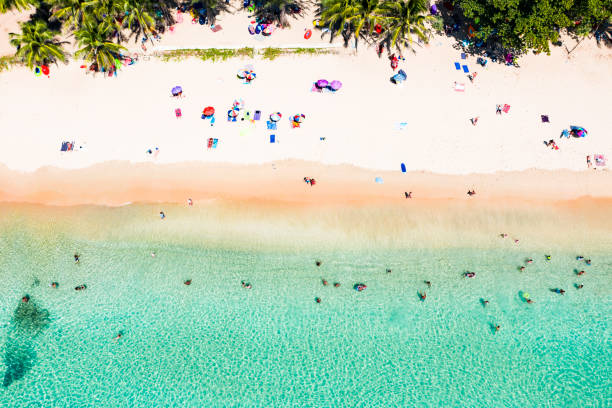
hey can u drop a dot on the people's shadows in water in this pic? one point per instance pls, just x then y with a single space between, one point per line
28 321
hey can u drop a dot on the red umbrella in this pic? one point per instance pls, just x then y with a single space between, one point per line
45 69
208 111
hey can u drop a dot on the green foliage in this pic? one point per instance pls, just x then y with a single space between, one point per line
533 24
6 62
212 54
403 19
73 12
36 44
6 5
93 38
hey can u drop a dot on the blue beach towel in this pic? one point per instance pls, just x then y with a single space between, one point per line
403 168
272 138
465 69
457 66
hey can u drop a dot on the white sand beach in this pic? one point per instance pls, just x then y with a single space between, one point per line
120 118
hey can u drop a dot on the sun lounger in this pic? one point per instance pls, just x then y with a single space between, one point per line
271 125
257 115
466 69
506 108
272 138
457 66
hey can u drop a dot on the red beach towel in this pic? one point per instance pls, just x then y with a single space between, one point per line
506 108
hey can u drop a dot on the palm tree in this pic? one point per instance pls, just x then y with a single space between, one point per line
138 19
404 18
95 43
212 7
366 13
6 5
72 11
37 45
336 13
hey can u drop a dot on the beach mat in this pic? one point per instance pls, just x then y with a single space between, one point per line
506 108
457 66
272 138
403 166
466 69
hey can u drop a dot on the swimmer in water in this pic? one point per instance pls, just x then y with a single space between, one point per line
152 254
388 271
469 274
548 257
245 285
587 261
529 301
529 261
119 335
318 299
336 284
324 282
81 287
580 273
579 258
54 285
559 291
504 235
422 296
428 283
76 258
484 302
497 328
516 241
579 286
187 282
522 269
25 299
318 263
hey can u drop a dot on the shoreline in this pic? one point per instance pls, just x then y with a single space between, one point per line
118 183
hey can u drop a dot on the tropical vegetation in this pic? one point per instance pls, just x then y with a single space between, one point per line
99 27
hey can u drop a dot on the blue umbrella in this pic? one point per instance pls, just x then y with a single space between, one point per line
177 90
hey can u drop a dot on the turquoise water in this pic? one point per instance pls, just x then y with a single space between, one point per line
216 344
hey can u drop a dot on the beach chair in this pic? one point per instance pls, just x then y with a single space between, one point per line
466 69
457 66
271 125
506 108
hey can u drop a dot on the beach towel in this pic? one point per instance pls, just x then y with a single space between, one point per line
216 28
506 108
463 56
257 115
210 142
466 69
178 113
214 145
459 87
401 125
545 118
271 125
272 138
457 66
403 167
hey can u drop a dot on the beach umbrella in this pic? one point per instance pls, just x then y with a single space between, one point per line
578 131
241 73
176 90
299 118
209 111
232 113
250 76
335 85
238 103
275 117
322 83
45 69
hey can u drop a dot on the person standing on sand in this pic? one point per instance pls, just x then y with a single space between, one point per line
471 192
162 215
589 164
498 110
190 202
474 120
408 194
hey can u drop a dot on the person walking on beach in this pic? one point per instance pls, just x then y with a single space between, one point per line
474 120
498 109
162 215
471 192
77 258
190 202
408 194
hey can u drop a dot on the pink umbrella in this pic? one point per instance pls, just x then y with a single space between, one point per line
335 85
322 83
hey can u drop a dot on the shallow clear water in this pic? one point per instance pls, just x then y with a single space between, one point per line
216 344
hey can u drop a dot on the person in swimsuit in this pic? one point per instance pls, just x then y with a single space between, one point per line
336 284
25 299
428 283
77 258
324 282
187 282
245 285
318 263
422 296
580 273
579 286
318 299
